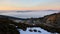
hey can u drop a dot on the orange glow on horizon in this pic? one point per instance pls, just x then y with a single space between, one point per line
31 8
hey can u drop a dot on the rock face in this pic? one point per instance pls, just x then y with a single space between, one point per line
53 19
52 22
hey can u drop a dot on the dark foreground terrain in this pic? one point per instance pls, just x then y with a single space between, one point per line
50 23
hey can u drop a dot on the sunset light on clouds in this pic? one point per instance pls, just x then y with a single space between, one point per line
29 4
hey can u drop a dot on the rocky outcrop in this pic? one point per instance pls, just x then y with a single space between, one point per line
52 22
53 19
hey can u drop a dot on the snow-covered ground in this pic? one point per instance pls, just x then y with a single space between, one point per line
37 28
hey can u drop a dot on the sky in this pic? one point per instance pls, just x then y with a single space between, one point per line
29 4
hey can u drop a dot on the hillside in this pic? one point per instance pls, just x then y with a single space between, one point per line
53 19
